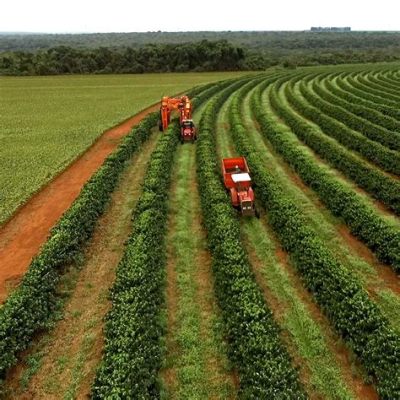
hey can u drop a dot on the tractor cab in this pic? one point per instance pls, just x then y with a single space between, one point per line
241 180
188 130
237 181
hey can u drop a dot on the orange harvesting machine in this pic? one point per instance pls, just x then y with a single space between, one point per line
184 106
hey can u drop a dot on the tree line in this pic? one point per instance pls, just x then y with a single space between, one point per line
266 41
205 55
201 56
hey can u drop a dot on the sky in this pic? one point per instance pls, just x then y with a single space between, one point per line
73 16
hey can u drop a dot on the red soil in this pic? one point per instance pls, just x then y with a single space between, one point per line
22 236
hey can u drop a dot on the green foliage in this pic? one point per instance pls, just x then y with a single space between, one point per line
366 92
367 177
368 121
132 353
133 347
347 305
387 159
356 96
265 48
27 310
376 88
47 122
363 221
384 83
263 364
200 56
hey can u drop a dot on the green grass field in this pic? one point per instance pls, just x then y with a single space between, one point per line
46 122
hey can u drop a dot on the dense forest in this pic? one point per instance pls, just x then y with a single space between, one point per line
201 56
24 54
258 40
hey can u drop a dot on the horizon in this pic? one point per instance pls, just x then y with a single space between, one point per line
124 16
190 31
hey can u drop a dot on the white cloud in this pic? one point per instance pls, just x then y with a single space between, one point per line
132 16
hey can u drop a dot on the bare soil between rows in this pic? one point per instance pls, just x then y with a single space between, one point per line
75 346
22 236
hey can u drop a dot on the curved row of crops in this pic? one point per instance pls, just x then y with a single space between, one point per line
363 219
375 182
339 294
132 360
325 126
317 111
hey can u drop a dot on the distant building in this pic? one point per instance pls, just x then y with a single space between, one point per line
330 29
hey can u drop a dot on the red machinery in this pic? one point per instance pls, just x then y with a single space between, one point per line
184 105
238 182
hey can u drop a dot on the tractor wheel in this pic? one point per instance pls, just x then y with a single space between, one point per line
256 213
160 127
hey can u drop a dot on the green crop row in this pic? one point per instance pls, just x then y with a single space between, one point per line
133 331
343 112
370 179
376 183
389 160
363 221
361 109
263 364
28 308
393 76
352 94
347 305
380 81
369 83
385 80
368 93
133 352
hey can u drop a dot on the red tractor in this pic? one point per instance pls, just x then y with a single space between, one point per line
188 131
238 182
184 106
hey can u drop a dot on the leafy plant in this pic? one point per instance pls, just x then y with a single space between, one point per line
264 366
363 221
348 306
133 350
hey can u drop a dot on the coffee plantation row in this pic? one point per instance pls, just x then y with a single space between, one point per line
334 128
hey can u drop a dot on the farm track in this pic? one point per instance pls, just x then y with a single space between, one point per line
196 363
316 349
23 235
74 347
